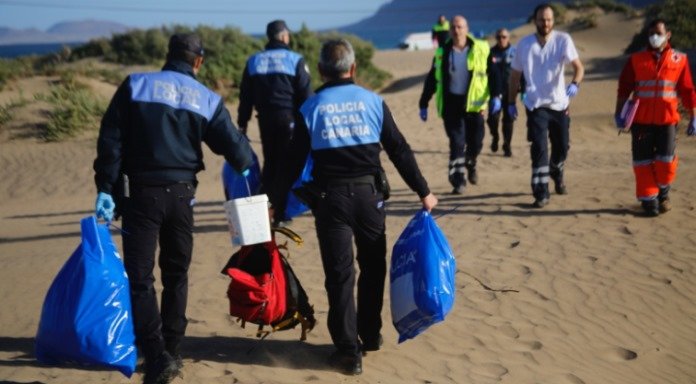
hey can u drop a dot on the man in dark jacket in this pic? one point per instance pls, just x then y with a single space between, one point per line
276 82
345 127
498 75
148 154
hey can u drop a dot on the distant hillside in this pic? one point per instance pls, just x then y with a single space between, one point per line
398 18
69 31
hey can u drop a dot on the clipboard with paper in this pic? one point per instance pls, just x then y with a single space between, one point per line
628 112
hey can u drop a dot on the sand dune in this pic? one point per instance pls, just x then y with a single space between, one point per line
583 291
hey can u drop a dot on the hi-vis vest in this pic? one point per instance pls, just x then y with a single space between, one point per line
477 63
441 27
656 86
344 116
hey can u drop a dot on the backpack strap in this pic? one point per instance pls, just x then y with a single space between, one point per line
292 235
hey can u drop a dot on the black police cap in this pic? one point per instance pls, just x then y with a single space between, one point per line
275 27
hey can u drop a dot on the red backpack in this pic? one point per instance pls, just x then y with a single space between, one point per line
264 290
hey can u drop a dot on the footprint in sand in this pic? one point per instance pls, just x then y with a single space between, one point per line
619 354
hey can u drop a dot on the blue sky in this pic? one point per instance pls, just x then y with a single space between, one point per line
250 16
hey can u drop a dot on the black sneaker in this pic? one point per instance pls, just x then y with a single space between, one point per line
345 363
459 190
559 184
540 203
650 207
494 145
372 346
507 152
162 370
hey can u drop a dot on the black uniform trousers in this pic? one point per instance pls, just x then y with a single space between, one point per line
494 121
465 131
544 125
152 215
347 211
277 129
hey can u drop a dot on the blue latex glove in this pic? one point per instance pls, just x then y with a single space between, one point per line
620 123
691 131
424 114
105 206
572 90
496 104
246 172
523 97
512 111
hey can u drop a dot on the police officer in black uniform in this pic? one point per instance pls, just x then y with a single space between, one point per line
345 127
498 75
276 82
148 154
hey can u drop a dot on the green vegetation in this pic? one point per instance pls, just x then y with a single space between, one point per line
679 16
605 5
75 108
226 52
6 110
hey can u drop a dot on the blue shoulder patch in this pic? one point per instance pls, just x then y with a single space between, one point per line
175 89
273 61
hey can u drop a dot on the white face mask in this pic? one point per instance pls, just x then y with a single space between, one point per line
656 40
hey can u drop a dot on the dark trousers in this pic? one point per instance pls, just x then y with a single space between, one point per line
276 129
494 120
158 215
465 131
544 125
653 142
347 211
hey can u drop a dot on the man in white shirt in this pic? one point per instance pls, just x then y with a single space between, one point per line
541 58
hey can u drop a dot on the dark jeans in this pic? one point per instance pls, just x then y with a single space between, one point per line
276 129
465 131
494 120
353 210
158 214
544 125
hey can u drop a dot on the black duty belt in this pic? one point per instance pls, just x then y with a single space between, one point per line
367 179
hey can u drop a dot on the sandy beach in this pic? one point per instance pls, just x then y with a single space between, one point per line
583 291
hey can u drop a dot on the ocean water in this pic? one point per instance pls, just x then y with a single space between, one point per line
15 50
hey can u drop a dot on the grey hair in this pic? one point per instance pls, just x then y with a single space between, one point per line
336 58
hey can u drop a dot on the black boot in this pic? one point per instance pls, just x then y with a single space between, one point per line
650 207
471 171
160 370
556 173
663 199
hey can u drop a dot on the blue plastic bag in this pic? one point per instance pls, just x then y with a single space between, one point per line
86 317
421 277
294 206
235 184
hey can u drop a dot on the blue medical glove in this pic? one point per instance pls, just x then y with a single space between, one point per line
620 123
246 172
572 90
424 114
496 104
523 97
691 131
512 111
105 206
